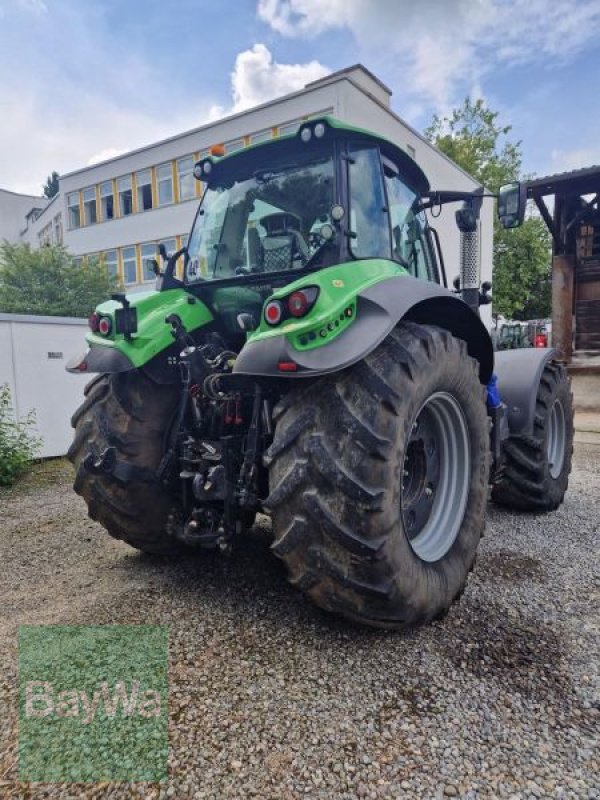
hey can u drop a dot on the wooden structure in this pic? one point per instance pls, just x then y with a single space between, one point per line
575 229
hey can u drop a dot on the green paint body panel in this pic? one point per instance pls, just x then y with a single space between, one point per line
338 288
154 334
333 312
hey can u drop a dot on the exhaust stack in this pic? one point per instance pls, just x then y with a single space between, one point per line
467 220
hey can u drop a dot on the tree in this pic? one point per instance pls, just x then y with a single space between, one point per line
522 270
47 281
473 138
51 185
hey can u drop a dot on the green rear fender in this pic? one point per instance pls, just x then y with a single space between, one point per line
115 353
359 304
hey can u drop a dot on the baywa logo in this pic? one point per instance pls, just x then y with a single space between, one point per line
93 703
41 700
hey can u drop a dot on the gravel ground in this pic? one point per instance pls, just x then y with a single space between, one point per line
271 698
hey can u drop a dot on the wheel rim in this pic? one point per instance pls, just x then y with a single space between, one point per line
555 446
436 476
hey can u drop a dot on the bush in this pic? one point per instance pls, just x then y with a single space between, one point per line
18 445
48 281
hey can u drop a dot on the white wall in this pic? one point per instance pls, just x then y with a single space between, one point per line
39 381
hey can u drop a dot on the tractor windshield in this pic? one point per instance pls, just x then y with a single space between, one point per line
269 220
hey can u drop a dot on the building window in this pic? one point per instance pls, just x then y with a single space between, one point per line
235 145
77 261
89 206
107 200
45 236
411 151
185 177
260 136
290 127
143 182
58 231
129 265
164 176
111 262
148 253
74 212
125 196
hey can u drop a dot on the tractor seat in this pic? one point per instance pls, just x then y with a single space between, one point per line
283 244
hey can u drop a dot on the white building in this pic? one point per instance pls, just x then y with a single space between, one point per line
18 214
120 209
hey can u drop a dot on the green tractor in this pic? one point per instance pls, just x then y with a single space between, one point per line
313 365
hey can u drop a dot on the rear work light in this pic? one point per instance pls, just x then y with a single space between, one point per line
104 326
273 312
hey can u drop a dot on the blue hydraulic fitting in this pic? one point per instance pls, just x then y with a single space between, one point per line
493 395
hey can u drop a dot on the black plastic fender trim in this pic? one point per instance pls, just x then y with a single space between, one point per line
99 359
519 373
379 309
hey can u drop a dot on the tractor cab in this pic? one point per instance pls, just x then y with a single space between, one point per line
328 195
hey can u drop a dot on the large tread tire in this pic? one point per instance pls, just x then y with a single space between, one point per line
131 413
526 483
336 466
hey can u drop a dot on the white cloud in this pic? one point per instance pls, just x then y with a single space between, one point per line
256 78
306 17
436 50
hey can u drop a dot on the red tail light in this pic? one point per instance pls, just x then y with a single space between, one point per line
297 304
104 326
93 321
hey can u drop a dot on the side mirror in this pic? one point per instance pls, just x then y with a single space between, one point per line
512 199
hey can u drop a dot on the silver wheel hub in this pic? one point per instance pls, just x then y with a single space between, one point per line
436 477
556 437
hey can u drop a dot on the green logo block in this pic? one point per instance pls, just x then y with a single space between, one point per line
93 703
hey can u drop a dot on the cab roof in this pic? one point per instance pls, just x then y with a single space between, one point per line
408 168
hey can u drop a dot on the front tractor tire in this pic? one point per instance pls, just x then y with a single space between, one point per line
129 415
379 478
537 465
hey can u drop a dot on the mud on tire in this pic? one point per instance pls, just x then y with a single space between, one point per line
336 472
133 414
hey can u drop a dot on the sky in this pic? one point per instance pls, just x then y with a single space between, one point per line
84 80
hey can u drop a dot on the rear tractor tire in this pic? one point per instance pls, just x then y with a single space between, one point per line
537 466
131 414
379 477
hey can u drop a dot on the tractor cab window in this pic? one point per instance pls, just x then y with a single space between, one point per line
369 218
410 244
266 221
